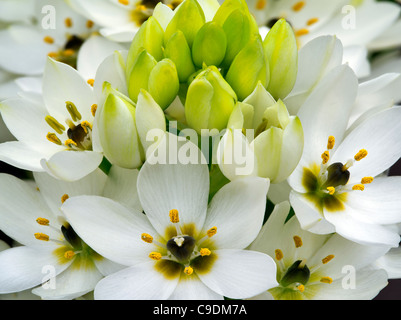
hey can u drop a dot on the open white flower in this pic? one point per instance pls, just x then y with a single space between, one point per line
51 250
54 130
317 267
180 248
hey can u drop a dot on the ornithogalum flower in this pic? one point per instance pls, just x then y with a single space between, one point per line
317 267
180 248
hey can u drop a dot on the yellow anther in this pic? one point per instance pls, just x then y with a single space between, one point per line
69 52
325 157
70 142
360 155
328 258
279 254
211 232
147 237
41 236
53 138
297 241
205 252
301 288
366 180
261 4
93 109
301 32
64 198
330 143
69 254
312 21
85 125
326 280
73 111
298 6
91 82
188 270
124 2
43 221
360 187
174 218
48 40
68 22
53 54
155 256
331 190
57 126
89 24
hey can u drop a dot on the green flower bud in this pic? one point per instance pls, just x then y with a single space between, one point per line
178 51
248 69
209 45
150 37
210 101
164 83
281 50
118 134
138 77
188 18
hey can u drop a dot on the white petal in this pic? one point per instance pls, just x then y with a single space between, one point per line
115 233
240 274
173 185
357 58
237 210
140 282
72 165
121 33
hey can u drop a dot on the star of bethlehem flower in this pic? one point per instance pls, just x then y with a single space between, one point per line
317 267
52 258
181 248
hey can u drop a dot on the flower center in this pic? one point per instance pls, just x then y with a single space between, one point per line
144 9
69 53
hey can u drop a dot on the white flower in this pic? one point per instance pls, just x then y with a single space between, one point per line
180 248
50 246
318 267
54 130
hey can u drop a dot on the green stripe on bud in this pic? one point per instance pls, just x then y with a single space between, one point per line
281 50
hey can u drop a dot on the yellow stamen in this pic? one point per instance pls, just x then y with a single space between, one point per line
301 32
297 241
301 288
330 143
188 270
53 138
261 4
124 2
43 221
85 125
155 256
73 111
53 54
298 6
64 198
68 22
89 24
360 155
331 190
211 232
41 236
205 252
326 280
312 21
279 254
328 258
325 157
366 180
69 254
147 237
360 187
70 142
174 218
69 52
93 109
57 126
48 40
91 82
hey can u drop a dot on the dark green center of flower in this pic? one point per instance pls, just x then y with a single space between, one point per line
336 175
181 247
298 272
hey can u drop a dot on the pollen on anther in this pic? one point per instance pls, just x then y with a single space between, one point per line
325 157
91 82
301 288
69 254
174 218
330 143
261 4
326 280
301 32
188 270
43 221
89 24
147 237
312 21
360 187
211 232
68 22
279 254
85 125
41 236
124 2
360 155
328 258
64 198
93 109
331 190
298 6
70 142
205 252
48 40
297 241
366 180
155 256
53 138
